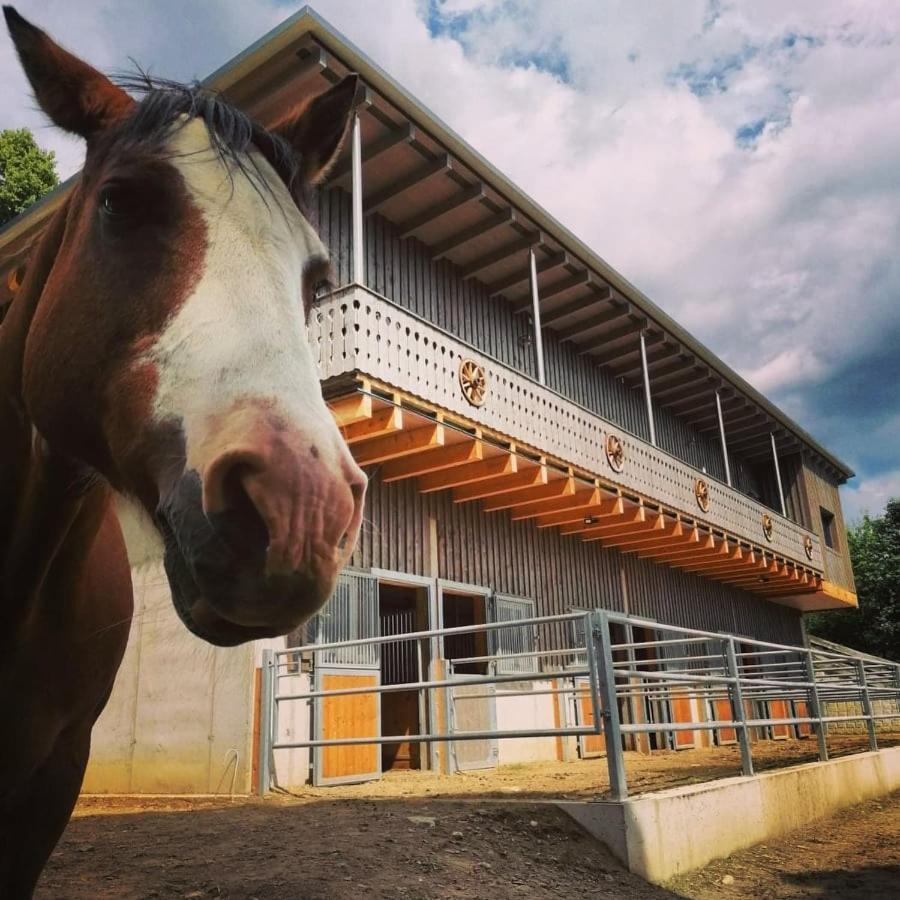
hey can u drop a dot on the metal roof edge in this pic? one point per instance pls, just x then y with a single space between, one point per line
307 20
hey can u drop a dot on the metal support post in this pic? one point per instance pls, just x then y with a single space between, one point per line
866 703
357 201
778 474
536 316
722 439
266 700
647 398
815 711
737 707
601 645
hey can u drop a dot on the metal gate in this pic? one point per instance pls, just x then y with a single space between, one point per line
352 615
611 668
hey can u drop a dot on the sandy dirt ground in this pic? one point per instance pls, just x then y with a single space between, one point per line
482 834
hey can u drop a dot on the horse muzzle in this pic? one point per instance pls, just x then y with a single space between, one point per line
256 538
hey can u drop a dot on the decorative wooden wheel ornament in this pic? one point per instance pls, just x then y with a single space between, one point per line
768 526
615 452
808 546
701 492
473 382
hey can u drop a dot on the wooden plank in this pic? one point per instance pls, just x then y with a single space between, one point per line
469 473
738 560
382 421
682 712
629 518
713 549
390 446
552 490
604 507
501 484
685 539
351 410
432 460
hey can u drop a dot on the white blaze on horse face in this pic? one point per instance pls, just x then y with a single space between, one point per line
241 336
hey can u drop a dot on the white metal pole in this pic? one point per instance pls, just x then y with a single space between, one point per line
647 399
778 474
722 439
536 315
357 201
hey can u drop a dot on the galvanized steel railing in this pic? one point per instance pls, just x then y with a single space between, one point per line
628 676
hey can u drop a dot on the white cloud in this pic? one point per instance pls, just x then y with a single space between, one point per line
778 249
869 495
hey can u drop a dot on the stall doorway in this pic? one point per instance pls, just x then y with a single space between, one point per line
402 609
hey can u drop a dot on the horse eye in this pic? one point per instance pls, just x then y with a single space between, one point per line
116 201
321 288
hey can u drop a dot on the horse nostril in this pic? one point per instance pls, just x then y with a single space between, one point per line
342 543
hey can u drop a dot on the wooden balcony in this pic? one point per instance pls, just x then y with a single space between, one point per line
409 398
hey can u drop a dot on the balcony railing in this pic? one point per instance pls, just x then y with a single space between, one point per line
355 330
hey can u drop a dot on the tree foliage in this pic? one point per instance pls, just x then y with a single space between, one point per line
26 172
875 552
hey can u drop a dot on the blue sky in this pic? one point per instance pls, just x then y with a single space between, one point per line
735 160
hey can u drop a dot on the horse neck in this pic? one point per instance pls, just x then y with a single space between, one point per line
42 493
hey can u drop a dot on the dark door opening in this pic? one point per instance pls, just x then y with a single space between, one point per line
460 610
402 609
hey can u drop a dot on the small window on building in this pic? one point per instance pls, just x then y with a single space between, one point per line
829 531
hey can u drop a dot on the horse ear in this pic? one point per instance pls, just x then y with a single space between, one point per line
319 130
74 95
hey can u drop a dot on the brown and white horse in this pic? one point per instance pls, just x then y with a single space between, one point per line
156 351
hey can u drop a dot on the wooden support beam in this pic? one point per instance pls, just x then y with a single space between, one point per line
683 536
578 499
382 421
490 487
612 344
479 229
609 533
567 283
628 518
618 309
542 493
597 296
711 549
423 173
664 532
402 135
521 276
602 508
476 267
352 409
468 473
739 559
439 210
390 446
433 460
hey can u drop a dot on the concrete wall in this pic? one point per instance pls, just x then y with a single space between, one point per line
180 718
662 834
530 711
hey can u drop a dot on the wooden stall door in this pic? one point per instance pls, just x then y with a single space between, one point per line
801 710
722 712
778 709
682 711
348 716
589 745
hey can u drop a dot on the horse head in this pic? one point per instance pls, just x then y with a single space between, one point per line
166 348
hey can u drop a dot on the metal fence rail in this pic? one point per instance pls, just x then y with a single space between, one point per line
621 677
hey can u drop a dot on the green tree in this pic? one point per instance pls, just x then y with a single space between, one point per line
26 172
875 552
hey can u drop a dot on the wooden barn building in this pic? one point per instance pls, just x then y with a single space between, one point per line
539 436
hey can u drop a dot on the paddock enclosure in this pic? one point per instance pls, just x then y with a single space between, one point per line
544 445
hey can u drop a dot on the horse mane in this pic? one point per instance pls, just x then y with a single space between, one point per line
163 106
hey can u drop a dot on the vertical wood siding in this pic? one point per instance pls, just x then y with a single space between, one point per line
820 491
557 572
402 271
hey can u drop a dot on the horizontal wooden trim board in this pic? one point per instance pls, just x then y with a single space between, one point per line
445 452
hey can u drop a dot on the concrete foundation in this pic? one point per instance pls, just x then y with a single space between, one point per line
662 834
